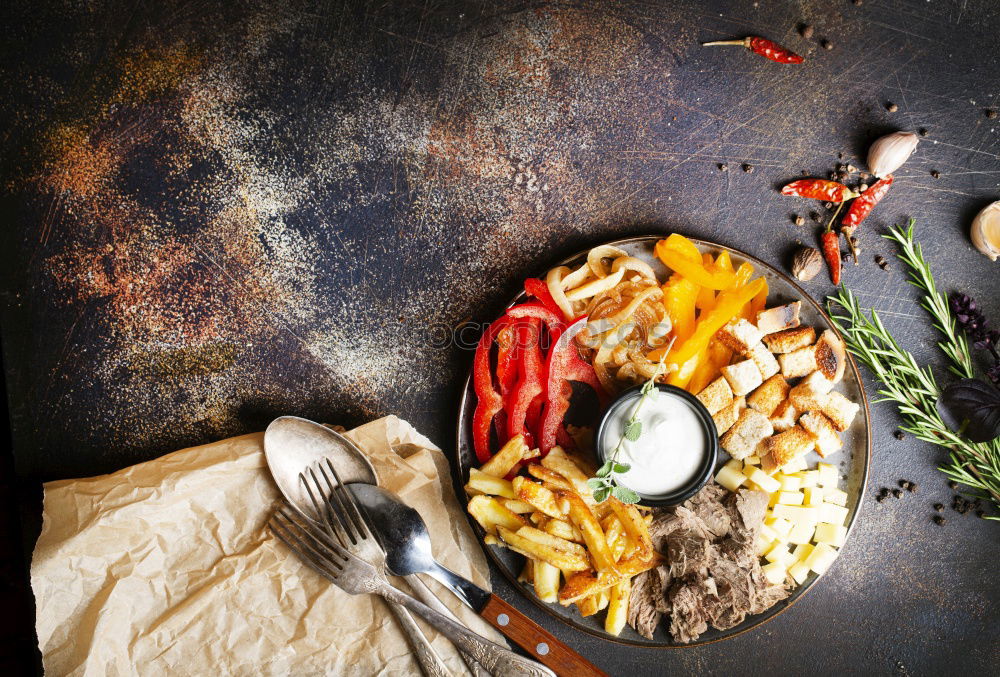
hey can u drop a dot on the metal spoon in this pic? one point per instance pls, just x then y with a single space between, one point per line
292 444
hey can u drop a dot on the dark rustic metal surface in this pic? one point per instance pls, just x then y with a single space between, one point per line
219 212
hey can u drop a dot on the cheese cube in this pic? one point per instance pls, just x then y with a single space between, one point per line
774 572
769 533
782 527
799 572
821 558
790 497
834 514
798 514
828 475
789 482
729 477
794 465
779 553
810 478
763 545
813 496
801 533
763 480
751 460
831 534
835 496
802 552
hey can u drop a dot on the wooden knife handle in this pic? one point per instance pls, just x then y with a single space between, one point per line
537 641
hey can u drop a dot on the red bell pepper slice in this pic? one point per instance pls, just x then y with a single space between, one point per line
529 384
538 289
488 400
508 348
553 320
563 365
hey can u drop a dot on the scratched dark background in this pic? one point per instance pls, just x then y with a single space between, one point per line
215 213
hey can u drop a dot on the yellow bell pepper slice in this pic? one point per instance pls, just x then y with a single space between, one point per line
683 245
759 302
706 296
679 296
681 262
727 307
723 262
683 376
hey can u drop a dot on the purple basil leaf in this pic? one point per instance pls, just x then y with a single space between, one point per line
978 403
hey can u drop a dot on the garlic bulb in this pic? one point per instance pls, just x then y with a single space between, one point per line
986 231
889 153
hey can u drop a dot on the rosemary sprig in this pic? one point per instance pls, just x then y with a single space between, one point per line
912 388
955 345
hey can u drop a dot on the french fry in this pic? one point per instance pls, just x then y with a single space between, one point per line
489 512
615 536
527 574
563 529
490 539
601 510
584 584
634 525
550 477
535 494
603 599
546 579
544 538
557 461
590 605
593 535
488 484
509 455
516 506
528 548
618 607
538 518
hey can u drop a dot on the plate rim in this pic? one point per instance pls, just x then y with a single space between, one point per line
457 478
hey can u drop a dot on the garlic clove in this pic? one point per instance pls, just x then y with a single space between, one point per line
985 232
889 152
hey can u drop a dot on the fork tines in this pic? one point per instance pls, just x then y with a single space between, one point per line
313 547
334 504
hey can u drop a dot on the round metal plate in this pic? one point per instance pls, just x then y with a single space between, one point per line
852 460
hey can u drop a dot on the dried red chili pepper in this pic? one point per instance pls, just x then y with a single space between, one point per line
762 46
862 206
831 252
819 189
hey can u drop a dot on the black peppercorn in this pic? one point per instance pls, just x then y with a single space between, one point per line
939 520
936 174
891 107
898 493
922 131
799 221
953 485
881 262
912 488
991 114
903 483
899 434
939 507
747 167
806 31
827 45
723 167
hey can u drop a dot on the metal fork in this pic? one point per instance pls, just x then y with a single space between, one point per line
356 576
373 552
370 551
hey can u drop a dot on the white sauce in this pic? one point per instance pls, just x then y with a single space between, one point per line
670 450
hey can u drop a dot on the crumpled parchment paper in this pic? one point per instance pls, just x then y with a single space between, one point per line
166 568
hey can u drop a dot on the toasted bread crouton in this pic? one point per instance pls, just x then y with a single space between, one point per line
768 396
739 336
764 360
831 356
789 340
798 362
716 395
811 393
743 376
823 431
785 447
840 410
726 417
778 319
784 416
742 439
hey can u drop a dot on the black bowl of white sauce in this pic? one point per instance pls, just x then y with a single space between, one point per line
675 453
